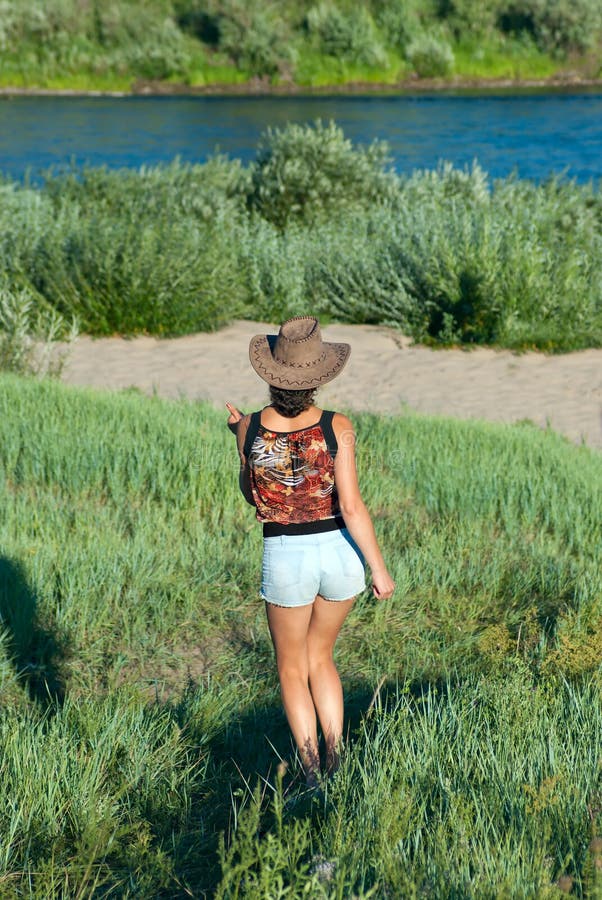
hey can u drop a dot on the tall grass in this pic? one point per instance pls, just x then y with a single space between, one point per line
141 725
314 223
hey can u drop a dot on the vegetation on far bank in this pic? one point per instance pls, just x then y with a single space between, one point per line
141 726
316 225
87 44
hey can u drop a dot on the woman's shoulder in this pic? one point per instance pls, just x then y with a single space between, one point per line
341 422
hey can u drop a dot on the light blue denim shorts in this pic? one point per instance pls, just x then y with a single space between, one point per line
296 567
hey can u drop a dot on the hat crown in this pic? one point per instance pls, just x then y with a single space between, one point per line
299 342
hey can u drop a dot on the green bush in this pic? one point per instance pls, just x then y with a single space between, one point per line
558 26
398 20
139 38
471 18
28 331
90 43
253 34
132 276
430 56
348 35
305 172
161 54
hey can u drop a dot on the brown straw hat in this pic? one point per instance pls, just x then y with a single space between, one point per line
297 358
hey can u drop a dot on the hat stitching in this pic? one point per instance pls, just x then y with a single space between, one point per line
305 365
291 365
309 337
283 379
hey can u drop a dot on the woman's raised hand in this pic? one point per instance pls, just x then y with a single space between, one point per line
234 417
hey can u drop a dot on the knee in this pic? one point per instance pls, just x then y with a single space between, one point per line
290 672
318 658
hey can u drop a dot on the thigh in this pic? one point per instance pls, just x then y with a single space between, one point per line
326 620
288 629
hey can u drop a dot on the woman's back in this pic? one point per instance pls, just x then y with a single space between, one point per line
292 468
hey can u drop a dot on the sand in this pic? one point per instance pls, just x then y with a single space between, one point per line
385 374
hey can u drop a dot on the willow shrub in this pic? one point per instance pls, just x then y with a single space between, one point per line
313 224
453 260
304 173
346 34
56 37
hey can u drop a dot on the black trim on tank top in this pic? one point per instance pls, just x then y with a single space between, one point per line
328 432
274 529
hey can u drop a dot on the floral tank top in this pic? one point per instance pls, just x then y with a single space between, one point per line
292 472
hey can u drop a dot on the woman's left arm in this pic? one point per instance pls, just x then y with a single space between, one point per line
239 427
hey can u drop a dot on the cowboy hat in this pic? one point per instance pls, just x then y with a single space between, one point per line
297 358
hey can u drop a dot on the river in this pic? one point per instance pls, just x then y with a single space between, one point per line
533 133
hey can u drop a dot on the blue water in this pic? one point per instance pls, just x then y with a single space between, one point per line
533 134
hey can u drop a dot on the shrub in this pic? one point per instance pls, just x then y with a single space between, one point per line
252 33
129 275
558 26
398 20
258 45
304 172
162 53
28 331
314 224
348 35
141 38
430 56
470 18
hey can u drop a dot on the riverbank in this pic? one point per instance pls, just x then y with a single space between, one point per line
264 87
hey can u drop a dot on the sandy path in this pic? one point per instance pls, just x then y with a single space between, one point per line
384 374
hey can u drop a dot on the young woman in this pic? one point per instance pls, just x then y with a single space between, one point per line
298 470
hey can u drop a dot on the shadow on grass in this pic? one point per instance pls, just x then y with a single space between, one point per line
34 647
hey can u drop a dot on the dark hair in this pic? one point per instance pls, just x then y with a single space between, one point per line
291 403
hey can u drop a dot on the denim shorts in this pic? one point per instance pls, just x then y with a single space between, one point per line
296 567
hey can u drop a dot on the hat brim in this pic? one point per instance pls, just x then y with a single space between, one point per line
296 378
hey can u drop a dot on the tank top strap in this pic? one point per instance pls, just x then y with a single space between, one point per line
252 432
328 431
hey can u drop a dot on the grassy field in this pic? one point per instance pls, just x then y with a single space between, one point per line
141 729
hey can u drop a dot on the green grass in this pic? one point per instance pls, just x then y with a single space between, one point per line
495 59
140 705
314 69
70 81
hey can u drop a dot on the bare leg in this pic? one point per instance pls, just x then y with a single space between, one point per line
326 689
288 628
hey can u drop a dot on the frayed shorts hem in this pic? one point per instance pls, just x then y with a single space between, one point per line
287 605
310 602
